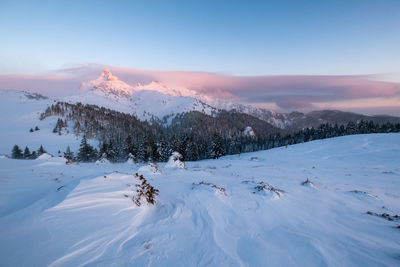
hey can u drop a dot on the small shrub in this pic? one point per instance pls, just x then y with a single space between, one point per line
144 190
307 182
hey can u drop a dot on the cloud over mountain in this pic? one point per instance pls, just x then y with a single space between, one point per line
286 92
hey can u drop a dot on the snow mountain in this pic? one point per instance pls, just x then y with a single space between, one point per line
157 100
108 85
147 102
160 102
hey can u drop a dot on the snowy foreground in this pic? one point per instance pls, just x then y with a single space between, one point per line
72 215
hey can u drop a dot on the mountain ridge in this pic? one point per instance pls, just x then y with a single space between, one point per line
160 102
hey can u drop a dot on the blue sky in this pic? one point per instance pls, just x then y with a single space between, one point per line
235 37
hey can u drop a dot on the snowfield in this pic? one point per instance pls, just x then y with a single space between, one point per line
247 210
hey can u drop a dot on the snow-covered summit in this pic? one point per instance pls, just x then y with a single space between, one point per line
168 90
151 101
108 84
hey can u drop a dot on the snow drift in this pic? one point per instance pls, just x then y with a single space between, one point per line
212 213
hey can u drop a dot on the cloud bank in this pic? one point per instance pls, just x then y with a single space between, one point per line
361 93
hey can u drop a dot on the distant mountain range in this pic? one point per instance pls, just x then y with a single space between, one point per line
158 102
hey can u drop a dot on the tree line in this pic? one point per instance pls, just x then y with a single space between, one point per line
195 135
17 153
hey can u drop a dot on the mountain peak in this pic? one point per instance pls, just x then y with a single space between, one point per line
108 84
108 76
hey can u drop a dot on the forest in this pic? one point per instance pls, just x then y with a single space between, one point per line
194 135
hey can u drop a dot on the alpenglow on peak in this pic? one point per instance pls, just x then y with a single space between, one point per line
108 76
108 84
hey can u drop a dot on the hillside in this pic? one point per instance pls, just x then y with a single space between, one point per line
33 120
250 209
316 118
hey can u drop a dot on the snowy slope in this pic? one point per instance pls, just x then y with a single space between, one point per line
280 120
19 112
90 221
151 103
164 89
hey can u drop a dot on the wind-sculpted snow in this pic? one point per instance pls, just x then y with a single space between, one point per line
338 205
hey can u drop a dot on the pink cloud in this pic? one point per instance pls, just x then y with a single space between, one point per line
288 92
51 84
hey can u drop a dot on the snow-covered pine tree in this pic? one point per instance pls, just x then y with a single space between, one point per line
27 153
183 140
68 154
163 150
77 128
59 125
174 144
351 128
191 151
33 155
141 150
153 155
217 146
55 127
41 150
129 147
131 158
16 153
112 152
103 149
86 152
234 145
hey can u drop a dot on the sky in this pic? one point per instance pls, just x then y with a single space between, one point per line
245 40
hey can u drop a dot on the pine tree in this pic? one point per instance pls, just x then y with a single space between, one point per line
141 153
153 151
112 152
86 152
77 128
163 150
191 151
31 130
59 126
104 149
129 147
351 128
183 140
33 155
174 144
68 154
27 153
16 153
217 146
41 150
